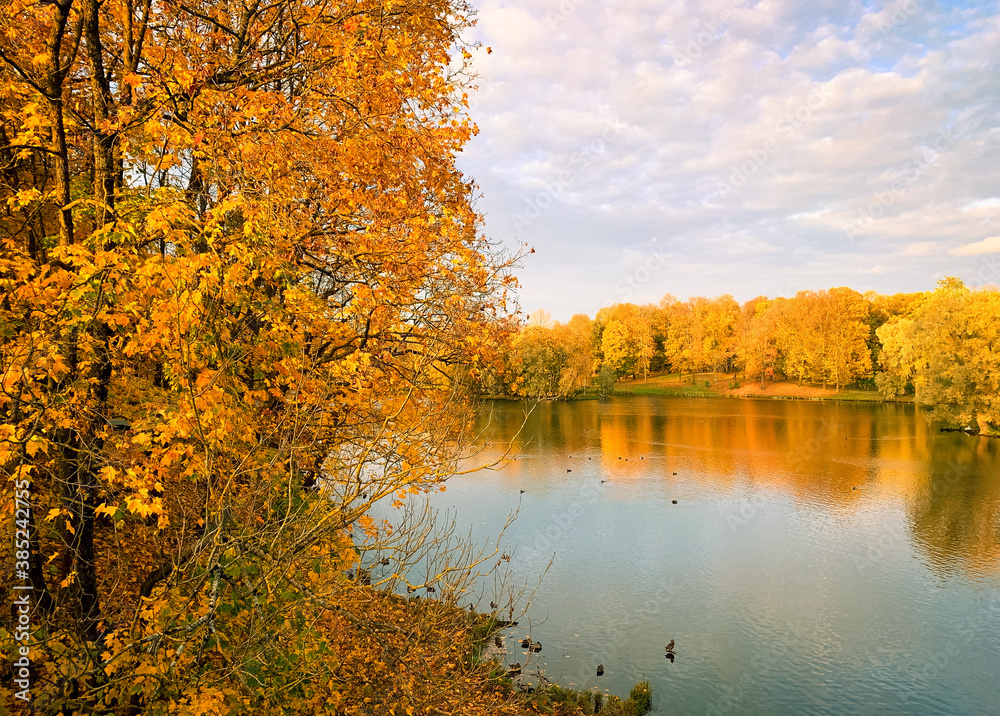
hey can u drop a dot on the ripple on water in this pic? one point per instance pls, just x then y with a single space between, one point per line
787 591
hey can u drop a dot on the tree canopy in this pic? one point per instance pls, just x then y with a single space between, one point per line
244 290
941 346
949 348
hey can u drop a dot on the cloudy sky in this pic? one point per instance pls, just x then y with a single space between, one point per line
708 147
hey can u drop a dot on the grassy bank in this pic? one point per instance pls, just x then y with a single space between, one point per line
727 385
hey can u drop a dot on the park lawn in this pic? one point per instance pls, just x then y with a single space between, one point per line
708 385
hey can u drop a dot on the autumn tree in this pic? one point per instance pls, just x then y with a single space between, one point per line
660 325
540 360
797 339
885 308
552 358
626 338
683 343
243 290
822 337
578 369
844 326
756 337
948 347
718 317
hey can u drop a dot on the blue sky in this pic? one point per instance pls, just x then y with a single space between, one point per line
701 148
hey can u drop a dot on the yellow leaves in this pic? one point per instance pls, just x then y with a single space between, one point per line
142 439
70 579
144 668
7 436
108 474
33 119
35 445
205 379
25 197
310 306
142 505
185 78
22 472
104 509
166 218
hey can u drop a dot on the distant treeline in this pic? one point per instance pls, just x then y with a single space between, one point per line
943 346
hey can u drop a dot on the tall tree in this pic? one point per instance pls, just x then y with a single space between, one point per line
626 338
719 320
950 349
823 336
845 325
242 282
756 338
579 367
541 359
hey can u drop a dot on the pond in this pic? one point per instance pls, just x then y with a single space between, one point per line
805 557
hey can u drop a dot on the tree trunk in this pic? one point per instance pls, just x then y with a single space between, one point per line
54 92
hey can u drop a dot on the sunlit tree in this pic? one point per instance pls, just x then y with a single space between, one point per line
243 294
949 347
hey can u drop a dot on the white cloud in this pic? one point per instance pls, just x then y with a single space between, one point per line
702 100
989 245
921 248
991 203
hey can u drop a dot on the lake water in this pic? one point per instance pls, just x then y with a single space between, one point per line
821 558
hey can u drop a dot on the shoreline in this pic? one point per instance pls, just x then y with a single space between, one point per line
785 391
714 385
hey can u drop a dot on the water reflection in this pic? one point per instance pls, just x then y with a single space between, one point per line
838 458
955 517
820 558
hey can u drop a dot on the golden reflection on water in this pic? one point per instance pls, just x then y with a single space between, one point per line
832 457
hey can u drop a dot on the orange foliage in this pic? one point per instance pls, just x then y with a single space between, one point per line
243 292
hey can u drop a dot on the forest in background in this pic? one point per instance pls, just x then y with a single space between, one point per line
941 346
